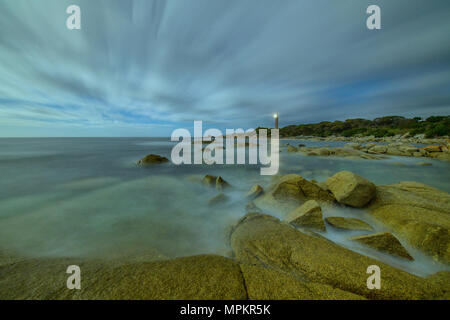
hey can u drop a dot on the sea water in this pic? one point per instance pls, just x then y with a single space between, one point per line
86 197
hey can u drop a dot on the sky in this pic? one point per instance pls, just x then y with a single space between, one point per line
148 67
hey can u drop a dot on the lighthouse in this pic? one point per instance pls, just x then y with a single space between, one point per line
275 116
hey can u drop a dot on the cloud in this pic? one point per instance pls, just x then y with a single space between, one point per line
149 66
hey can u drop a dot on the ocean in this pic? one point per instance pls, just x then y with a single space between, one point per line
86 197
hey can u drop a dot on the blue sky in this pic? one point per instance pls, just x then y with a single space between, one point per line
145 68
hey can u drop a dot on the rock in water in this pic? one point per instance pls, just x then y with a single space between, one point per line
424 164
263 240
152 159
307 215
218 182
378 149
254 192
290 191
433 148
351 189
219 199
291 149
209 181
443 156
417 213
384 242
353 145
348 223
221 184
251 207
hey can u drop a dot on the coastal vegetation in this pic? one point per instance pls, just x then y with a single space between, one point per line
434 126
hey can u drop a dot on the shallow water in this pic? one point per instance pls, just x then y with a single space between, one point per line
86 197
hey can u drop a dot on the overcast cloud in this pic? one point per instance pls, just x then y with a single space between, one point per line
144 68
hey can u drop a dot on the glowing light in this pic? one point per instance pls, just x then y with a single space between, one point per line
275 115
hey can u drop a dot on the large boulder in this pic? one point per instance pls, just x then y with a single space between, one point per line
263 240
290 191
351 189
442 280
348 223
265 283
417 213
385 242
152 159
307 215
197 277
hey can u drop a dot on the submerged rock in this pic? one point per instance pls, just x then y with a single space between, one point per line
442 156
417 213
348 223
384 242
251 207
219 199
263 240
307 215
152 159
351 189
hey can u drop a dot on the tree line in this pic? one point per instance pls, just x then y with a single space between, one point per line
434 126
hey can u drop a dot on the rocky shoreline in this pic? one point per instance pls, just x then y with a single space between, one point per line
372 149
273 258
